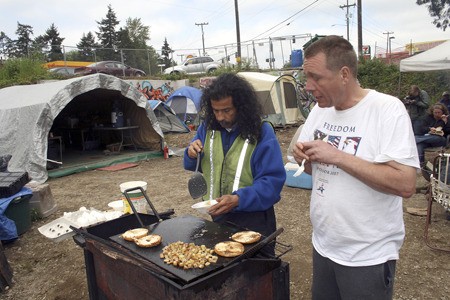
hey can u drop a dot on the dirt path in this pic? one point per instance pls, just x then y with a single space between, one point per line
47 270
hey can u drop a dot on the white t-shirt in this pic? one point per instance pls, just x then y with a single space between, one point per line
353 224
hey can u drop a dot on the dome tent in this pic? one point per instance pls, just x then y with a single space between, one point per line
186 102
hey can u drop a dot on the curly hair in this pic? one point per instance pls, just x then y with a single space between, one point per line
244 99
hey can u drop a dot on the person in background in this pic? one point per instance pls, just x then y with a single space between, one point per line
445 100
359 147
434 130
417 103
233 131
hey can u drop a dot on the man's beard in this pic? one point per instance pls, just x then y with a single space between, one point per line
226 124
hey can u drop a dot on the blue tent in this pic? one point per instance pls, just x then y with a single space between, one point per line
185 101
168 120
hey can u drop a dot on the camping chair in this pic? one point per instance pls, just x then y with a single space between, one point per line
438 191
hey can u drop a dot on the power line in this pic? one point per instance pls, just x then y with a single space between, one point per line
286 19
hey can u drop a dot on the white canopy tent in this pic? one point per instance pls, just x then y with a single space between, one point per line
435 59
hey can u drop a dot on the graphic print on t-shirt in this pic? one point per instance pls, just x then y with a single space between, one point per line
351 145
347 144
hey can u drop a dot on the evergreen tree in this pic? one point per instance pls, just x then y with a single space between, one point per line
166 53
86 48
54 42
439 10
107 35
23 43
7 46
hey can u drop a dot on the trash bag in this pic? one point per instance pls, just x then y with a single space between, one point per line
4 160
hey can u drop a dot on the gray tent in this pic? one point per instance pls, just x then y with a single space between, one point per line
167 118
27 114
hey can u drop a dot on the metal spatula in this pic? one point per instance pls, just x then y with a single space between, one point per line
197 184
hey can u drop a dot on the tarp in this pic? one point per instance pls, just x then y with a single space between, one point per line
28 112
185 101
167 118
277 95
435 59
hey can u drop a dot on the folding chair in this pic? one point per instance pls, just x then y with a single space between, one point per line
438 191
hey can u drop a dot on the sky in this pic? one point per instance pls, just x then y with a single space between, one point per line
259 20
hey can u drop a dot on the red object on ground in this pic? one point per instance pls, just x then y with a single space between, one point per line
166 152
118 167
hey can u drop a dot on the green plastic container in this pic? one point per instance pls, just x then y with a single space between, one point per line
19 211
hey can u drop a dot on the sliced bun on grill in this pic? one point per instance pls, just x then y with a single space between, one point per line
246 237
132 234
229 249
148 241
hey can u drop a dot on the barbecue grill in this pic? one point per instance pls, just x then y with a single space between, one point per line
118 269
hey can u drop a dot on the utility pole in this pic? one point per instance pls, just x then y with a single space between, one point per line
238 33
203 36
387 41
360 40
181 55
347 16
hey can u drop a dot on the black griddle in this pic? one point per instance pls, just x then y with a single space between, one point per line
188 229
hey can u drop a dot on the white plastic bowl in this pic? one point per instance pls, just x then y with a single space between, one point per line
116 205
203 206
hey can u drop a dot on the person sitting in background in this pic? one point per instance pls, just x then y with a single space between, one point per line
445 100
416 102
434 130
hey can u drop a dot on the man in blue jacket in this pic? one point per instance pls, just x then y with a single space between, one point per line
241 158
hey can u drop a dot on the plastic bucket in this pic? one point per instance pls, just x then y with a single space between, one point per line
19 211
136 197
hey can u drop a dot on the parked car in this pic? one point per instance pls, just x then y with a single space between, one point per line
65 71
195 65
111 68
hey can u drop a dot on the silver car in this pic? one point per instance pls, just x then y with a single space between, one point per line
195 65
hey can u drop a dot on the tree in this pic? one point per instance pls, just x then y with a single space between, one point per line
7 47
54 41
107 35
133 41
439 10
23 43
166 53
86 48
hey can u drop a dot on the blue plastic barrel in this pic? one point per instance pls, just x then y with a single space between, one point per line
296 58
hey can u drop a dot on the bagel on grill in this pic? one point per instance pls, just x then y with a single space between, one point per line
148 241
246 237
132 234
229 249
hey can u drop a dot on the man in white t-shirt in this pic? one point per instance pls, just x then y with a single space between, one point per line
359 147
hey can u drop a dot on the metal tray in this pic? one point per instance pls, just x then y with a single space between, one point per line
188 229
